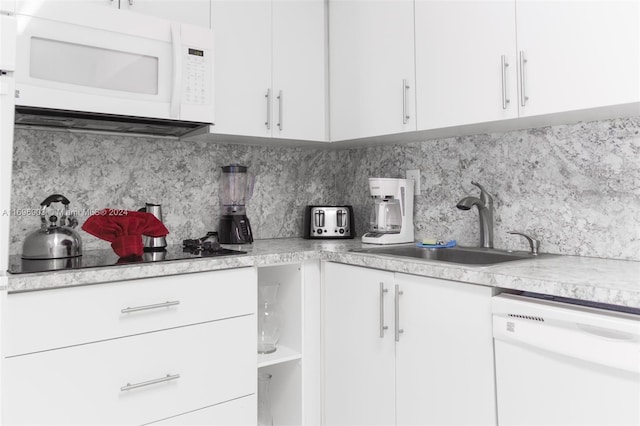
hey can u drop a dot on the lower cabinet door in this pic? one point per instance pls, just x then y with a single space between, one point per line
238 412
359 351
133 380
444 355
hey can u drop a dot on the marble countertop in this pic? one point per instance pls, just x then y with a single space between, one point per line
609 281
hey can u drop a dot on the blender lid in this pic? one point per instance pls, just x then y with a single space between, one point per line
234 168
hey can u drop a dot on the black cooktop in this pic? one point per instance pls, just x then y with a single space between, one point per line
106 257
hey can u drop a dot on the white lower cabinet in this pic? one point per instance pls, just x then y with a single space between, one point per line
295 367
238 412
444 357
158 353
44 320
359 364
406 350
113 382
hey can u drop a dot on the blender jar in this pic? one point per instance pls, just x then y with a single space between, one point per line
234 189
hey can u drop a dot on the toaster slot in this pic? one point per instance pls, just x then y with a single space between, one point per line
319 218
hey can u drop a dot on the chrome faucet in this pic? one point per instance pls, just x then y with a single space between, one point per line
485 214
534 244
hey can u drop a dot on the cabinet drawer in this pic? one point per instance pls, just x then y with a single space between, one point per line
87 384
239 412
48 319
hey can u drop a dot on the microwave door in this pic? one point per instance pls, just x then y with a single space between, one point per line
111 68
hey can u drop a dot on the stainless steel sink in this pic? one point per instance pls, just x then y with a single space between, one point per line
461 255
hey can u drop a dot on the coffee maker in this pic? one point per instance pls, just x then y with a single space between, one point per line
391 220
234 227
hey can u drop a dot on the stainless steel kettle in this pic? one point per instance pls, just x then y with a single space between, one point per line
56 238
152 244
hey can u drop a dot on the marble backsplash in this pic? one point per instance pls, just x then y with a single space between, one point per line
575 187
97 171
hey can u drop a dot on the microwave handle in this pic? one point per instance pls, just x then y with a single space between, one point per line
176 89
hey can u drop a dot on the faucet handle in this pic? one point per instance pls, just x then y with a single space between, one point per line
534 244
485 196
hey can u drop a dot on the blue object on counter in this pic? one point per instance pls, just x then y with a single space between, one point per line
448 244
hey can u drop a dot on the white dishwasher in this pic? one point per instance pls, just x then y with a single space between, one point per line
563 364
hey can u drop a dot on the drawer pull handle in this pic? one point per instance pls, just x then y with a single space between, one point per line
167 378
147 307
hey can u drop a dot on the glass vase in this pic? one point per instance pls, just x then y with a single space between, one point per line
264 402
268 318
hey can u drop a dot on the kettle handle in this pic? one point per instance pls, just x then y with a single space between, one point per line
55 198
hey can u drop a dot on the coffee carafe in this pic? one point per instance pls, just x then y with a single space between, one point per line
391 220
152 244
234 226
386 216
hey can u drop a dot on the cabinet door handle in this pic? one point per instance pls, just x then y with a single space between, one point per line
148 307
280 102
166 378
523 91
382 326
405 115
398 329
505 98
268 122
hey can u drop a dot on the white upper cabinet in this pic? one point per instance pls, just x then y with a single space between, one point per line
299 70
479 61
242 69
371 68
579 54
270 69
195 12
465 62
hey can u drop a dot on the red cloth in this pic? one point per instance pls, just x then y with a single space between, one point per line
124 229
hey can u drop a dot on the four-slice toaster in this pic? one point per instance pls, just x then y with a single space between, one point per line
329 222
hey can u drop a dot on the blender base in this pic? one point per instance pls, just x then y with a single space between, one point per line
234 229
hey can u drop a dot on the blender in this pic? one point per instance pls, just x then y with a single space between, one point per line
234 227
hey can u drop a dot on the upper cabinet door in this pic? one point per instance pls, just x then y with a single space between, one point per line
372 71
465 62
577 54
242 69
195 12
299 70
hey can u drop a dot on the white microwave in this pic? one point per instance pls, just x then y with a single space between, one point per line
118 63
